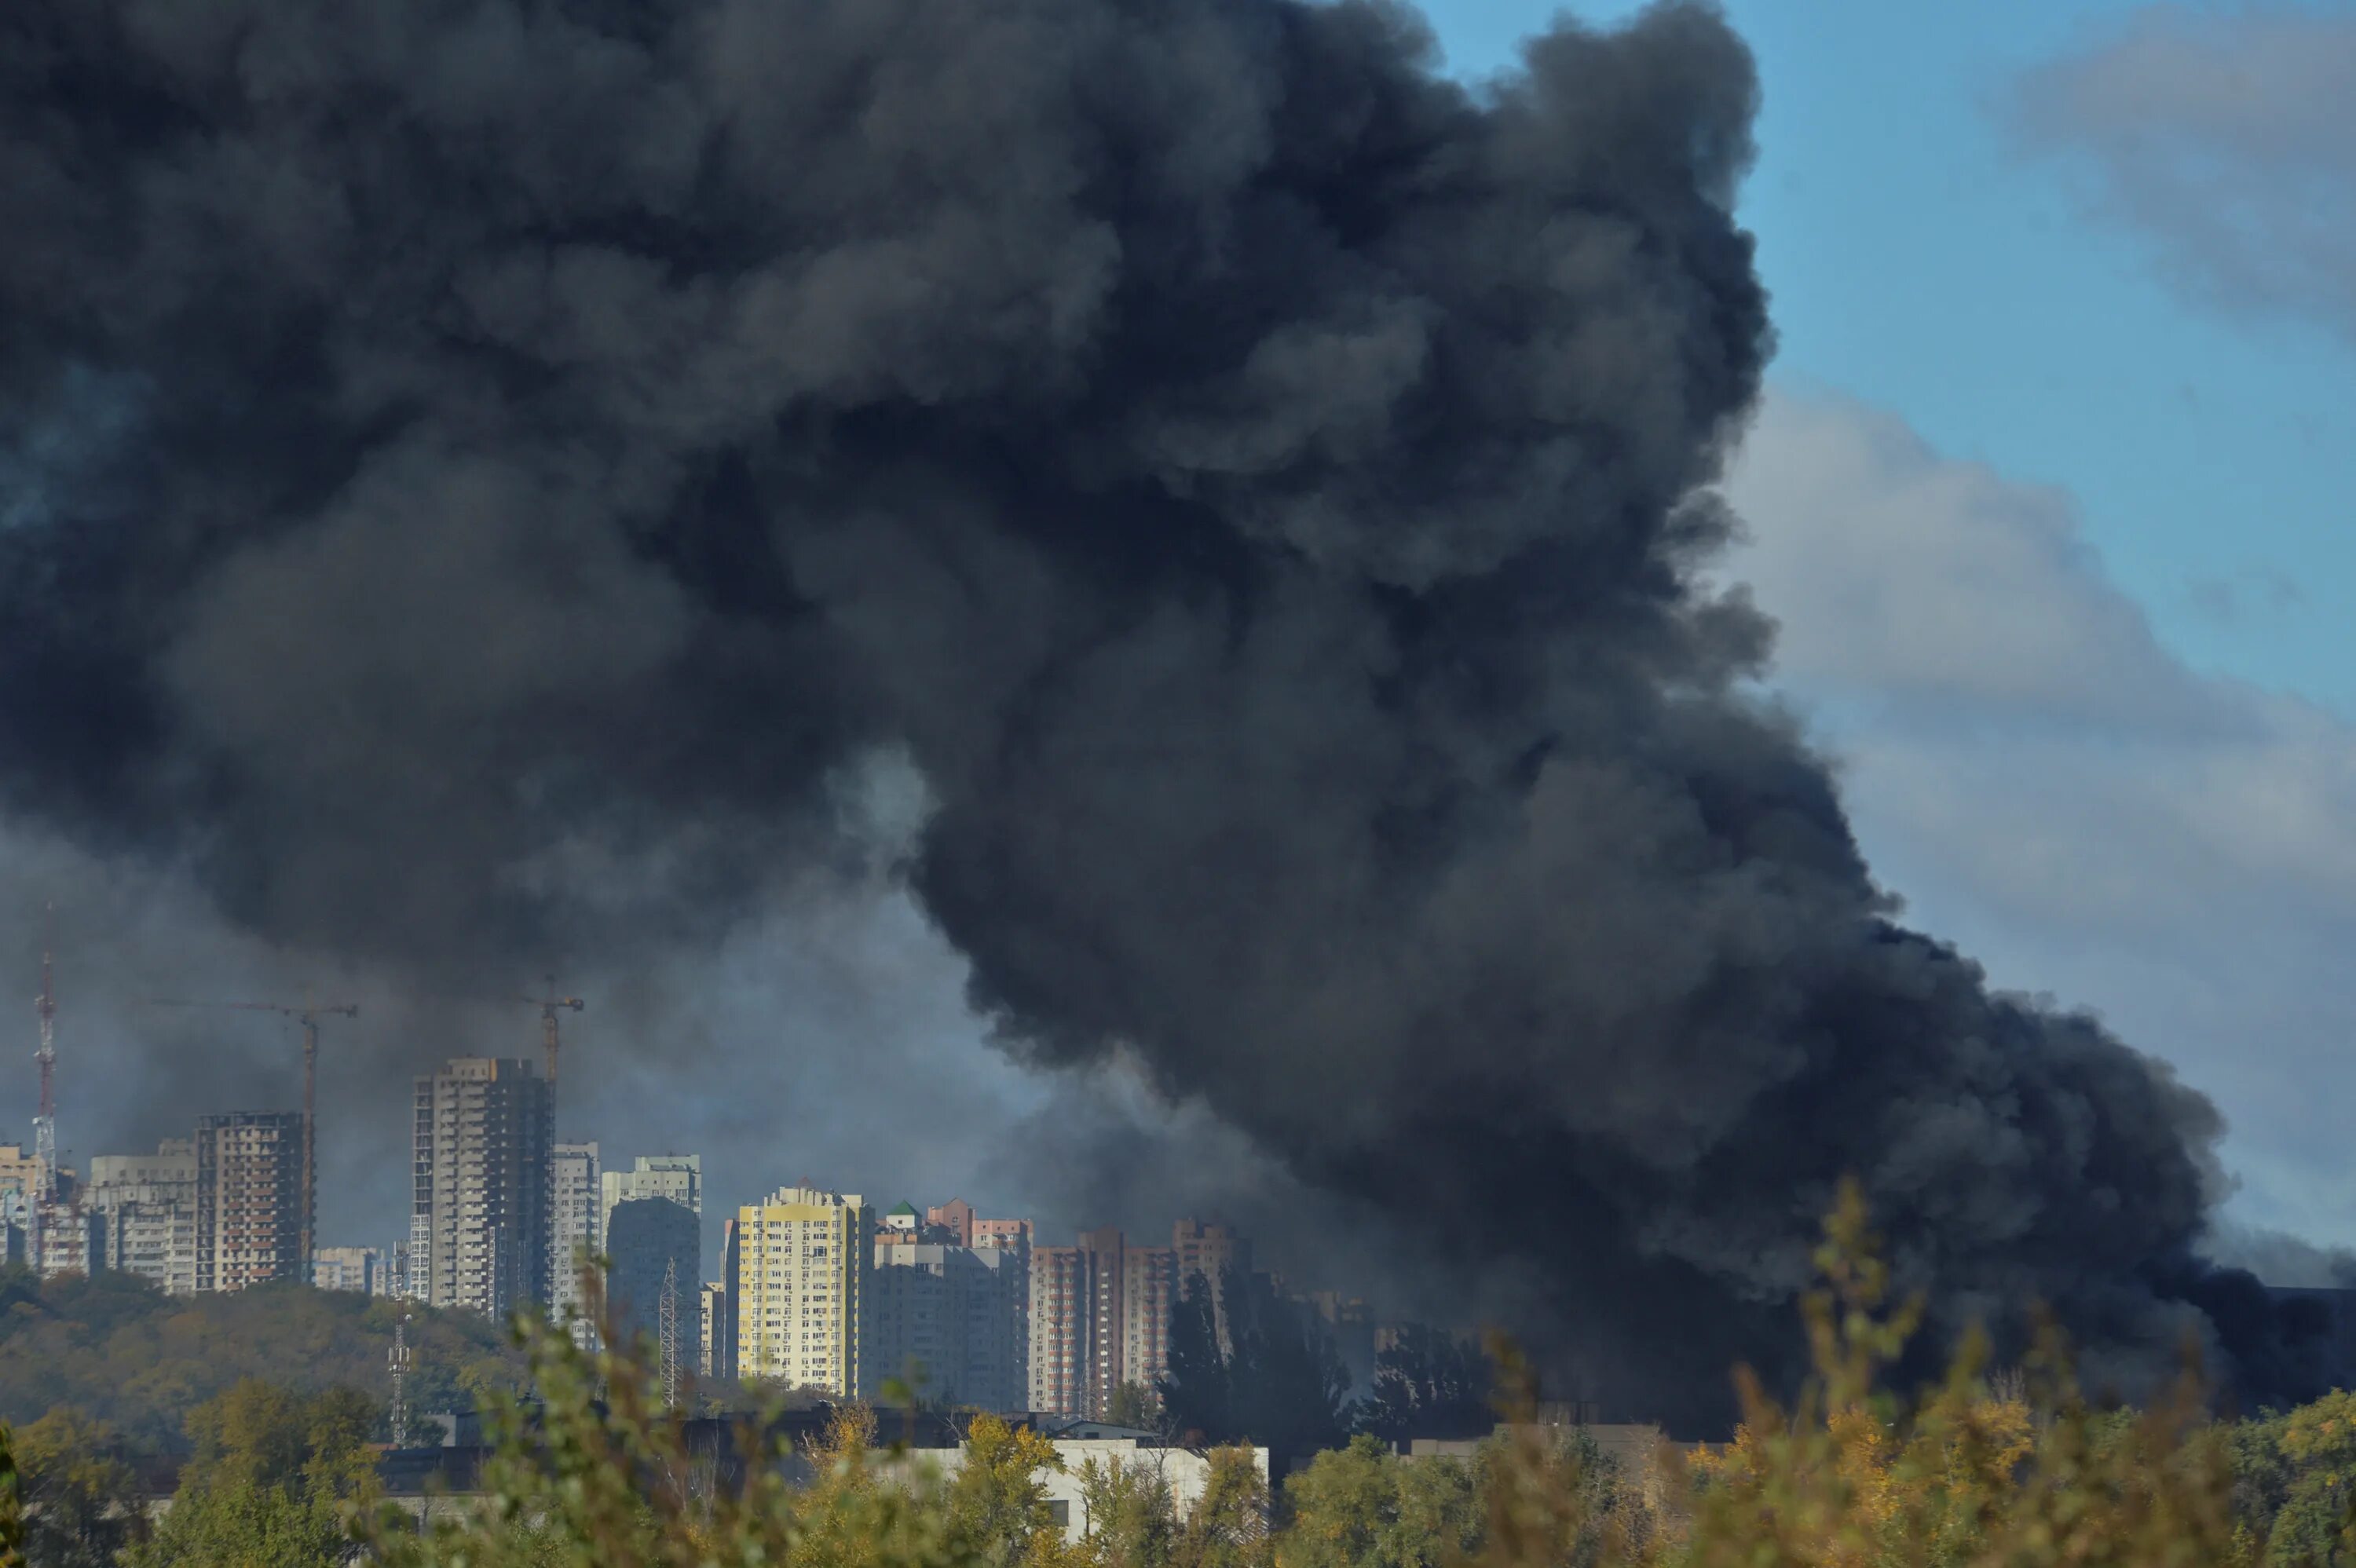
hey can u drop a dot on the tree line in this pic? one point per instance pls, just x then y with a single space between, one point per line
1978 1470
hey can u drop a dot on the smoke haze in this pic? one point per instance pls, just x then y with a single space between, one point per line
502 485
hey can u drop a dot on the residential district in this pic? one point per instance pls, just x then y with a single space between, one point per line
814 1289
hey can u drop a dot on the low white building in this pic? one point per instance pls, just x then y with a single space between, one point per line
1185 1473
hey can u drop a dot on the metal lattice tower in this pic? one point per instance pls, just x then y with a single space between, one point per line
668 1327
45 1125
398 1360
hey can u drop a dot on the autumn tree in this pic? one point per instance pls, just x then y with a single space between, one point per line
81 1500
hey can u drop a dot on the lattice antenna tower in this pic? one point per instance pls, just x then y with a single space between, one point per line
397 1360
669 1329
45 1125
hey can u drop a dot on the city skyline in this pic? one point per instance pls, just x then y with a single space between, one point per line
364 1192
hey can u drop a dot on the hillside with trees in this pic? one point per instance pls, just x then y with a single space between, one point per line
121 1352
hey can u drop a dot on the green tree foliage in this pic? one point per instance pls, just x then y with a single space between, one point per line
1363 1507
1430 1384
12 1516
1228 1527
998 1507
2311 1469
1128 1514
81 1499
602 1477
1133 1405
274 1482
1279 1381
120 1351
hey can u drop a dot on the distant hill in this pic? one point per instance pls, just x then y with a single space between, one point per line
119 1350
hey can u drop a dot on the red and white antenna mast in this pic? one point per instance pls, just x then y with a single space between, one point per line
45 1125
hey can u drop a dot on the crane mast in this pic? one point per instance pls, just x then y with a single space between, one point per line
309 1015
550 1005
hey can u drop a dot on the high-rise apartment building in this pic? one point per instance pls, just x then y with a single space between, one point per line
717 1322
146 1211
364 1271
648 1241
948 1316
1099 1317
1212 1250
800 1286
20 1170
963 1226
479 1218
720 1306
249 1199
676 1177
573 1231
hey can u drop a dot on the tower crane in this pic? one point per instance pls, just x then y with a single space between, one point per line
309 1015
550 1005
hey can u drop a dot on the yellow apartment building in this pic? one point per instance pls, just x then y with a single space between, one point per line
801 1288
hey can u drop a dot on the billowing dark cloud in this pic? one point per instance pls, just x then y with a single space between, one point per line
526 452
2051 784
2225 138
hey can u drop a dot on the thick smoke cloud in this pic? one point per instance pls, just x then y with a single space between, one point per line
479 471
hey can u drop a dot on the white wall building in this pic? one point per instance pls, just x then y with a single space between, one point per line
1186 1475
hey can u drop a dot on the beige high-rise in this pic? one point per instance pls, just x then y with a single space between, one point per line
479 1222
1100 1318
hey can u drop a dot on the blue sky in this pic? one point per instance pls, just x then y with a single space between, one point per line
1921 259
2050 497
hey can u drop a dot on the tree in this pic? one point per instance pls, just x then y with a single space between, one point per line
83 1503
1228 1527
1430 1384
1279 1381
12 1515
998 1508
275 1479
1362 1506
1130 1519
115 1347
1195 1386
1133 1405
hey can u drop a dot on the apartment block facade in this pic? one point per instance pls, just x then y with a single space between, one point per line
1212 1250
647 1241
678 1178
1099 1317
144 1206
364 1271
249 1200
573 1230
801 1281
948 1316
480 1221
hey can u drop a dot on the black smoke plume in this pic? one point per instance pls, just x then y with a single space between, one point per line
479 471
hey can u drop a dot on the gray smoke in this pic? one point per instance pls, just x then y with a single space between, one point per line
479 472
